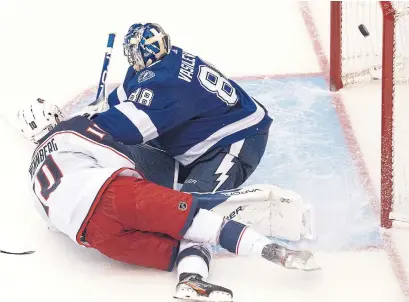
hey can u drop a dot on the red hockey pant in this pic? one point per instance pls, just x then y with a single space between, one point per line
139 222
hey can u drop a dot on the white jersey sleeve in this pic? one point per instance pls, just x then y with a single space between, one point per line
70 169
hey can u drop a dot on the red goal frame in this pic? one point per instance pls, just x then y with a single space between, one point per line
336 83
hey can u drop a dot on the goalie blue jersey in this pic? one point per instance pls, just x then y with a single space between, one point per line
182 105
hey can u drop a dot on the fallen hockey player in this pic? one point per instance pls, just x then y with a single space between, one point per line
86 187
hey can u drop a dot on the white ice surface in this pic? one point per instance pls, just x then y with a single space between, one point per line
54 49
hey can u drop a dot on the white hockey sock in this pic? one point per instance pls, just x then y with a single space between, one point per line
205 227
193 258
233 236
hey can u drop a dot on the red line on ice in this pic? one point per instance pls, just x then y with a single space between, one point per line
354 148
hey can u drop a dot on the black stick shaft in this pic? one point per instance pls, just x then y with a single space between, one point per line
18 253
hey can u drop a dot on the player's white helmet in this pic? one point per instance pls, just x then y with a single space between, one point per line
37 119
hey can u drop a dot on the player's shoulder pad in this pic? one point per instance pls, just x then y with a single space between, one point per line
77 124
143 85
84 128
74 124
148 77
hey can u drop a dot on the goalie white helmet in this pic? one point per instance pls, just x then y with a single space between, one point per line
37 119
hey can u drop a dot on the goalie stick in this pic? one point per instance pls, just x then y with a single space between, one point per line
101 85
17 253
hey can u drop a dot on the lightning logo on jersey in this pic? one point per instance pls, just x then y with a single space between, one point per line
223 169
227 163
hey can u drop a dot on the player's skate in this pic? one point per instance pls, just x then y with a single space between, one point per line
290 259
191 287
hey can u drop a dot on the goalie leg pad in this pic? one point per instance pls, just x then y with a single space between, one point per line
270 210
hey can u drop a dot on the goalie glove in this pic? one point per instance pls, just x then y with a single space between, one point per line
92 110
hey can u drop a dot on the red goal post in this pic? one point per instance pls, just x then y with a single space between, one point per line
368 44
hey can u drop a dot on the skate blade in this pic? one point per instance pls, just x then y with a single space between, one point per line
310 265
215 296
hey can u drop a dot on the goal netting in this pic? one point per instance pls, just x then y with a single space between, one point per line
370 46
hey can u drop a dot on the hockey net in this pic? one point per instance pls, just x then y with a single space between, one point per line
370 46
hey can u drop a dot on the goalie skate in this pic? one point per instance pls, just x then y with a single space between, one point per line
192 288
290 259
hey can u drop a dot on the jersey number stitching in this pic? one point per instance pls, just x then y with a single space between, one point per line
49 177
142 96
214 82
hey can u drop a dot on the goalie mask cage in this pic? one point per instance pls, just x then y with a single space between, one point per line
370 46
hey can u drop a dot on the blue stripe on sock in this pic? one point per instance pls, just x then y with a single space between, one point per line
196 250
230 235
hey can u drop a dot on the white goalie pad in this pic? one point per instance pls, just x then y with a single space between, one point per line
270 210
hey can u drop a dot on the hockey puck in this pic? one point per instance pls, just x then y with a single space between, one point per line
364 31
